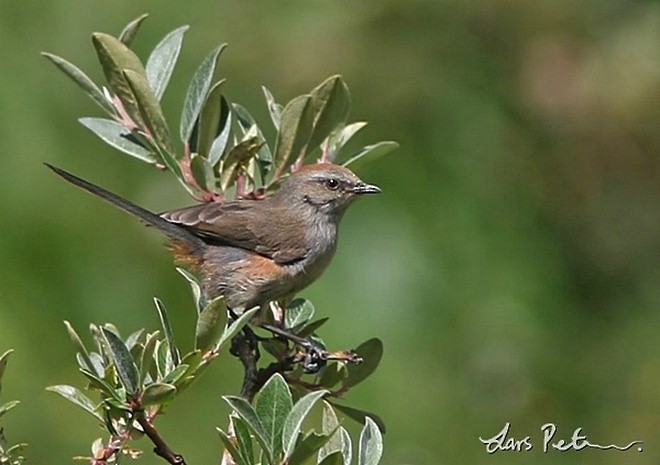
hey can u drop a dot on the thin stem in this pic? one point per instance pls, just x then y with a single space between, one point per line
124 118
240 186
184 164
114 447
325 151
245 347
161 448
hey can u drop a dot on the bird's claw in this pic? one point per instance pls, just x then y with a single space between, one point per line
351 356
313 358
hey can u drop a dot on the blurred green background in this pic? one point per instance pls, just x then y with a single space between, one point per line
511 266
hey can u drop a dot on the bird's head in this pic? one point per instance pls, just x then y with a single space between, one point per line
325 187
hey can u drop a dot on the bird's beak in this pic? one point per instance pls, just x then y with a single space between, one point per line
364 188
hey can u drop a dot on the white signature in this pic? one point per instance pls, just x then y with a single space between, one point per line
578 441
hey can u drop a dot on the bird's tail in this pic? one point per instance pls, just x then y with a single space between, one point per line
173 231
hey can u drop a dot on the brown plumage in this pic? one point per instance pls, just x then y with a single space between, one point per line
256 251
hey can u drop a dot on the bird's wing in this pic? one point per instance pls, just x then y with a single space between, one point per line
234 223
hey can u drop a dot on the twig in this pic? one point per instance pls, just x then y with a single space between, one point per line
161 448
245 347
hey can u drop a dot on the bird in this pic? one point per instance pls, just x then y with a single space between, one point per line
254 252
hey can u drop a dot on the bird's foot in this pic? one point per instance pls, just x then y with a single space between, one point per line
313 355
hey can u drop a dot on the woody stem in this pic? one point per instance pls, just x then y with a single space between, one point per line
245 347
161 448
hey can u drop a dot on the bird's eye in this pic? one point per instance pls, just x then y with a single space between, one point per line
332 184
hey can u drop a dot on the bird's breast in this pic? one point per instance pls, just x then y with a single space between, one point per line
247 278
322 240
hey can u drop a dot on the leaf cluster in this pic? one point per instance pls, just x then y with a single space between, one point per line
136 377
223 150
221 153
9 454
271 431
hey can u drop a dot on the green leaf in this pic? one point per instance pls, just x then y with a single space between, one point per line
98 362
298 313
243 118
136 353
130 30
167 330
15 451
4 358
164 362
247 123
231 448
273 404
334 459
209 119
81 361
147 358
150 110
123 362
313 326
274 109
371 352
295 418
173 166
330 422
7 407
339 443
158 393
196 288
76 397
333 374
307 449
233 329
117 136
174 376
340 137
236 160
117 408
219 144
373 151
331 102
116 58
202 172
295 131
346 446
275 347
330 425
211 324
16 448
371 444
98 338
162 60
100 384
359 415
134 338
192 360
185 382
196 95
244 440
251 418
83 81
